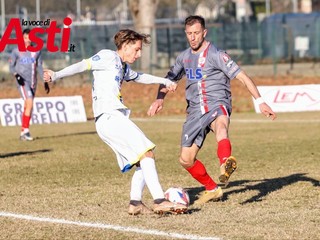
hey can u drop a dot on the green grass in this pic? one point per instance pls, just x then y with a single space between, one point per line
69 173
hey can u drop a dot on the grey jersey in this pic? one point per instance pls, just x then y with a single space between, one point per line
26 64
208 78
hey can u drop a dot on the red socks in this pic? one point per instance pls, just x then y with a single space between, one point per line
199 172
224 150
25 121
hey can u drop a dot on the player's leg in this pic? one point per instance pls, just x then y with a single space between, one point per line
27 93
193 135
147 164
150 174
195 167
228 163
198 171
136 205
132 148
119 133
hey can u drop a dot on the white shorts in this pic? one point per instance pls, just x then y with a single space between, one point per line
127 141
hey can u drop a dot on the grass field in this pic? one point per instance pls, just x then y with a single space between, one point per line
66 184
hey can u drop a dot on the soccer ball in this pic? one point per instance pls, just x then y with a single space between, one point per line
177 195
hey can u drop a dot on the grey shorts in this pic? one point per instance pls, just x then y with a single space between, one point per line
197 126
26 91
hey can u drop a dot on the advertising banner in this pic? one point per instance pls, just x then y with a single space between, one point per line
45 110
292 98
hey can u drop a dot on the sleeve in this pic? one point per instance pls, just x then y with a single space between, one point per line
39 65
71 70
177 71
225 63
150 79
12 62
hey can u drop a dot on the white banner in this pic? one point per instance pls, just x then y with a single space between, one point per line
291 98
45 110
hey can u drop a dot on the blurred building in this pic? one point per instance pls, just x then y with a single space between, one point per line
248 10
252 31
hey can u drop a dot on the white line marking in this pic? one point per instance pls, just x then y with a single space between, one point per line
107 226
232 120
275 121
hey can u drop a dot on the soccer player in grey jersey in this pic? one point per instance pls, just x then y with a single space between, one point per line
209 104
24 66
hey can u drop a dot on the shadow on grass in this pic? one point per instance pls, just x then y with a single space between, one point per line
14 154
266 186
67 135
193 192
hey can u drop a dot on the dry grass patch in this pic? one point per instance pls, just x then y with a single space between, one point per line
68 173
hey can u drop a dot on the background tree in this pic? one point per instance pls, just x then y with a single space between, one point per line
143 14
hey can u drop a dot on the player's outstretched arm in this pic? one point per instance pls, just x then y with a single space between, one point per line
47 75
264 107
79 67
166 85
266 110
157 105
150 79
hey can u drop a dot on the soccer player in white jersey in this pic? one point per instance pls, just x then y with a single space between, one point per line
208 94
131 146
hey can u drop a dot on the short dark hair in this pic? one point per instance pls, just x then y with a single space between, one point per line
129 36
195 19
26 31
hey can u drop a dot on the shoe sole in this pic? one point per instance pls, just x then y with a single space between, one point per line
230 167
25 139
140 211
202 202
196 203
172 211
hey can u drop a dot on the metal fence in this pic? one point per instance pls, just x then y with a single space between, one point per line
279 38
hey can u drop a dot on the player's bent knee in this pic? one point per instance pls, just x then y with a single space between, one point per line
186 163
148 154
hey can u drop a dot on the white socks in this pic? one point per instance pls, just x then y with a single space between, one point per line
137 185
25 130
150 175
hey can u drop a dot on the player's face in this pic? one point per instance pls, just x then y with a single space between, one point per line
195 35
132 51
26 39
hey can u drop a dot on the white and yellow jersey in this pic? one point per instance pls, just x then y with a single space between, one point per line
108 74
114 127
